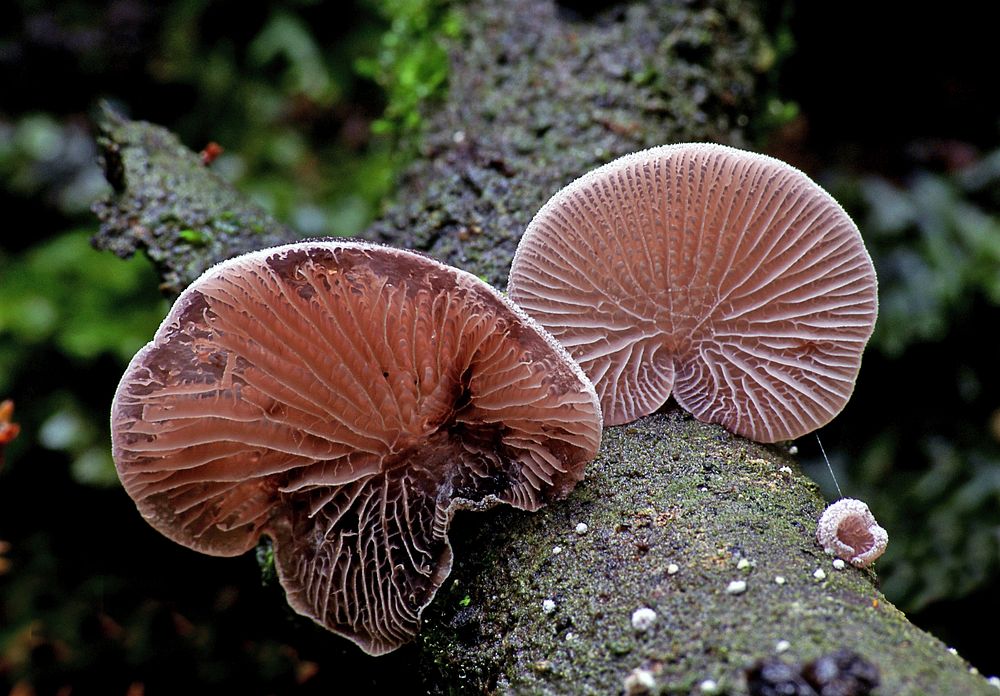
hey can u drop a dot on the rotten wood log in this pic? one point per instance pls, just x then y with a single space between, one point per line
537 97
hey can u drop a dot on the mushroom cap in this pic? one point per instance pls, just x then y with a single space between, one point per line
346 399
726 278
848 530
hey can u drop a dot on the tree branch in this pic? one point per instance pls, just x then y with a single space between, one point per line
536 99
165 202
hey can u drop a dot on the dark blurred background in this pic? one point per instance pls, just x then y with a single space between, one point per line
895 110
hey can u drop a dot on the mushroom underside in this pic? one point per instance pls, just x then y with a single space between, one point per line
368 556
346 399
855 536
847 529
725 278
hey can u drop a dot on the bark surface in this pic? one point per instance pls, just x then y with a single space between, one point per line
539 95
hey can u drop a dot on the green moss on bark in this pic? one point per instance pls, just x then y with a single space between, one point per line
537 99
168 204
667 490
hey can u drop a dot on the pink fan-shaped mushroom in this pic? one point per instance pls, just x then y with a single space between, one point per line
848 530
346 399
725 278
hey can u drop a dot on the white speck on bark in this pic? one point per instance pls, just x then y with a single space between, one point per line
639 681
643 618
709 686
737 587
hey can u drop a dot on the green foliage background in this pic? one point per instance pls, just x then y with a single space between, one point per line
315 105
318 108
928 415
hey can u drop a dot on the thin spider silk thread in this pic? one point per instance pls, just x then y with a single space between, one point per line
830 468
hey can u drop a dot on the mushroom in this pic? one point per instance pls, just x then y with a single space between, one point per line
725 278
345 399
848 530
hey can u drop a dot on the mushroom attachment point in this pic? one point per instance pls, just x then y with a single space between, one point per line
848 530
346 399
722 277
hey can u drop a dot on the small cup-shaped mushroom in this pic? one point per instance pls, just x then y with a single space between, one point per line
725 278
848 530
346 399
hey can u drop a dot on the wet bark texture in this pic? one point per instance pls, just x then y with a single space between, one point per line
538 95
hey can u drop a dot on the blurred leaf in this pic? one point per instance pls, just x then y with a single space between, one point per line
55 160
285 36
411 64
95 467
942 524
39 137
779 112
929 467
70 428
84 302
890 209
935 252
64 430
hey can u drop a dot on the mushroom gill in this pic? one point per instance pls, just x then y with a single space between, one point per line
346 399
848 530
725 278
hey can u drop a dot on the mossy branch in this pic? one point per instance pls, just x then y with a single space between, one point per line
536 98
168 203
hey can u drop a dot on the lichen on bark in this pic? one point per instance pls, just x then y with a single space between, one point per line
667 490
165 202
538 97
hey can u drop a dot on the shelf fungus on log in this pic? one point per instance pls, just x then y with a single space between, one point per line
725 278
346 399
